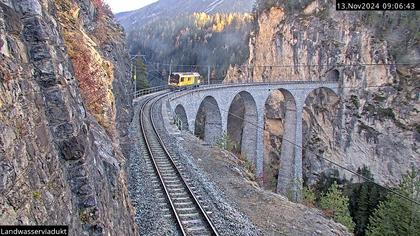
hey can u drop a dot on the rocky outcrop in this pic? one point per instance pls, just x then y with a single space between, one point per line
374 120
60 163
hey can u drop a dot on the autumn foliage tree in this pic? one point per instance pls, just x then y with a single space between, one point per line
101 7
103 19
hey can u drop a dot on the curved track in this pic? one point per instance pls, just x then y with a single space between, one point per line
184 206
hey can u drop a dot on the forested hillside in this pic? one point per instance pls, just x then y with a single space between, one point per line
171 8
196 33
197 39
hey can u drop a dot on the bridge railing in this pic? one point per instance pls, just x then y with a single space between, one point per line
217 83
206 82
143 92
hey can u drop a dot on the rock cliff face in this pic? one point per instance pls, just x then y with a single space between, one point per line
65 107
374 121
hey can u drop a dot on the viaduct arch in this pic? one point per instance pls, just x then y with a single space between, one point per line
215 103
241 125
181 115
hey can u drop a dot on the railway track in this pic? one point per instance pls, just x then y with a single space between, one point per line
176 196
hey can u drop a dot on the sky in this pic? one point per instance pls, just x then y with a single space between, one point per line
127 5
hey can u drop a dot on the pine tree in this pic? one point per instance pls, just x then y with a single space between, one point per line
362 212
140 73
364 199
335 204
396 215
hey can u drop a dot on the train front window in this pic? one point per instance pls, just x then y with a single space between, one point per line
174 79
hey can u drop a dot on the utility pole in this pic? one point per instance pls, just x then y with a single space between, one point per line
248 74
134 69
170 71
132 76
135 77
208 74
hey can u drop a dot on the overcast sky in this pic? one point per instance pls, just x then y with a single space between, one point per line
127 5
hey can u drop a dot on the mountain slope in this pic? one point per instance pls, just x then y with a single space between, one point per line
172 8
64 109
187 32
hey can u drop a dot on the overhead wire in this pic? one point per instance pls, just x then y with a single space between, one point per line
293 65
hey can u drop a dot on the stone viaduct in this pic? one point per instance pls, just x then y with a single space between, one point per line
214 102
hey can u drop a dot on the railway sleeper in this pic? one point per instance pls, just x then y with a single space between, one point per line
176 189
174 185
162 164
190 216
179 194
167 175
183 203
190 223
197 228
167 172
187 210
170 179
180 199
165 165
173 179
167 169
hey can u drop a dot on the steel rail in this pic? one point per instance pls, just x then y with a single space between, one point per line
203 212
204 216
142 122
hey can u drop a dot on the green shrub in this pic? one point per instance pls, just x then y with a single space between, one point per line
291 188
355 100
36 195
84 217
225 142
309 198
336 206
249 166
